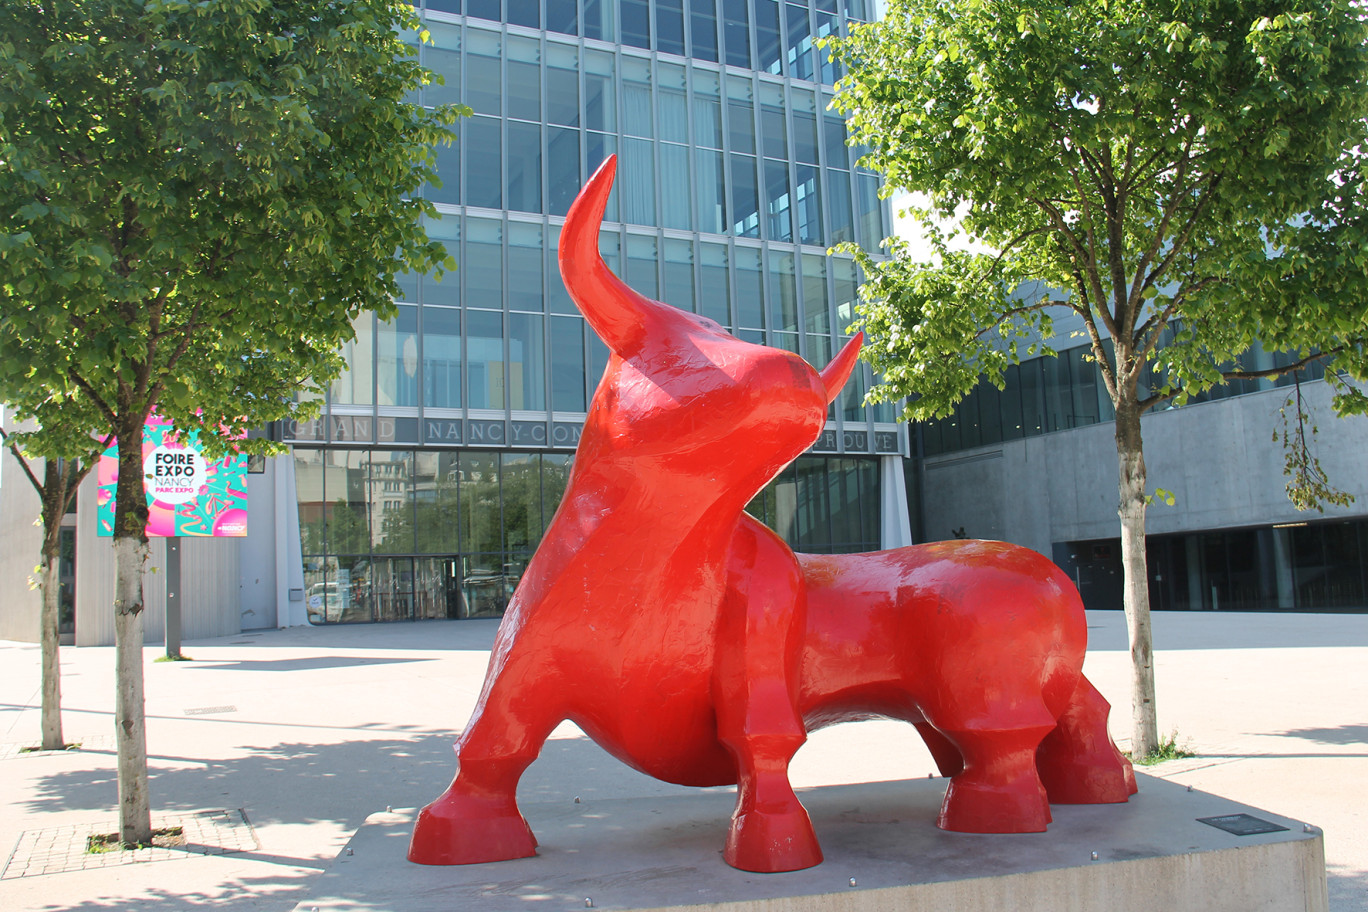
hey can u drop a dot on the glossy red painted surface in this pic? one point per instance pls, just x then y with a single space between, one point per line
690 642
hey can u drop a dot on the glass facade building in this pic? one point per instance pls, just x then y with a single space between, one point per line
443 450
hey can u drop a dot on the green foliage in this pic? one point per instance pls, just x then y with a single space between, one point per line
1140 165
1308 487
196 200
1168 748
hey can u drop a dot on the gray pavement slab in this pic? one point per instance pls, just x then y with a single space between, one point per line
310 731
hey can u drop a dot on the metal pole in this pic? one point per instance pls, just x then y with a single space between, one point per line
173 604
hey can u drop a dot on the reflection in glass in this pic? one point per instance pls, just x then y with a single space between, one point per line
354 385
526 363
390 498
567 364
522 510
480 517
397 358
435 484
485 381
441 357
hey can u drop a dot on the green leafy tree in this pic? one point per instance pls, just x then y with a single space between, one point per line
56 493
1183 168
196 201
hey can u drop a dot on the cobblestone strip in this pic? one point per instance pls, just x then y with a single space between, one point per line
12 749
61 849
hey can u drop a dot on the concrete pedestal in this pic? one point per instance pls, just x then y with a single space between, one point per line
883 853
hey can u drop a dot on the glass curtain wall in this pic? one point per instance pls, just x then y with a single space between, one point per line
407 535
1319 567
1043 395
444 446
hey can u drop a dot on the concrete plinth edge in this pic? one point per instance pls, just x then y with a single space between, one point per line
883 853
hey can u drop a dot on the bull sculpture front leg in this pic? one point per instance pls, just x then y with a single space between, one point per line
477 818
755 687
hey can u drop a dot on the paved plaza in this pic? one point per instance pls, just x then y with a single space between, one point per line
271 748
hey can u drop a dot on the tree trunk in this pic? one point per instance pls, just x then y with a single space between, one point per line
50 640
130 557
49 621
135 816
1135 575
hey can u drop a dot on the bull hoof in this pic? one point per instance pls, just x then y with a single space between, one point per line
455 830
769 843
979 807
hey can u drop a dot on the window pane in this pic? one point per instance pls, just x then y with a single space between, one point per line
448 168
745 197
715 290
562 85
778 217
348 528
740 115
484 349
838 199
567 364
480 515
871 212
636 97
767 36
707 110
817 317
703 28
397 358
636 23
558 298
312 500
804 127
562 16
808 206
483 265
524 79
443 57
600 19
736 31
772 126
672 104
834 138
711 186
562 169
483 92
679 274
600 104
441 357
485 9
642 264
391 501
675 193
783 293
670 26
524 266
353 387
484 160
750 289
522 508
524 167
526 363
434 492
637 183
799 41
524 12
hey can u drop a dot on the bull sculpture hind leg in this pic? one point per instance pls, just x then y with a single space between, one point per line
690 642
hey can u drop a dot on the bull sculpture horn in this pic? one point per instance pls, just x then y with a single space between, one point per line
835 374
619 315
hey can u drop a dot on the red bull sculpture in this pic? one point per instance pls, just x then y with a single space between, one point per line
694 645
